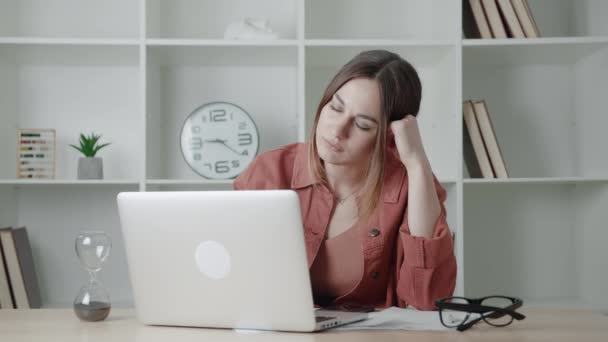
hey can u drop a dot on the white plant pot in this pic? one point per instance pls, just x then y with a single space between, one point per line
90 168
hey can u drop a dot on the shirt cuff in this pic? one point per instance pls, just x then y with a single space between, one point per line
424 252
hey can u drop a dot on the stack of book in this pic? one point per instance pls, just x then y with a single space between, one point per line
18 282
482 155
498 19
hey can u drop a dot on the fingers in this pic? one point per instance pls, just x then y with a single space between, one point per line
407 117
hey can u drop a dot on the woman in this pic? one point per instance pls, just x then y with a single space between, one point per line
373 213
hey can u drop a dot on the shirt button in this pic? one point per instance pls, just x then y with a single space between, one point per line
375 275
374 232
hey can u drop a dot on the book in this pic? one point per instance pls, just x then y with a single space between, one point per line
522 9
489 138
6 296
475 23
493 15
470 160
529 11
479 150
510 19
20 266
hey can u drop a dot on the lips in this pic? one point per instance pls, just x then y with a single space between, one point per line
333 147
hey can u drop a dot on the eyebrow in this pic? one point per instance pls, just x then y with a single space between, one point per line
364 116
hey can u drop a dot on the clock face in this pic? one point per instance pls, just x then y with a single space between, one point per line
219 140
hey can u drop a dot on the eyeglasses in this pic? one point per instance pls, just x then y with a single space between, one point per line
498 311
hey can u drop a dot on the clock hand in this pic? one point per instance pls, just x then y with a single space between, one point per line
223 142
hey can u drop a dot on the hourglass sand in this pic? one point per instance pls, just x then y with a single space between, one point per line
92 302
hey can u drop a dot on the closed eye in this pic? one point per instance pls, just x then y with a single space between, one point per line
335 108
339 110
365 128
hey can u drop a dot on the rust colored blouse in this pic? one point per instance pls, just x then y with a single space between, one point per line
398 269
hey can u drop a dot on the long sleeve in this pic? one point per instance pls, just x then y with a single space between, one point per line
426 268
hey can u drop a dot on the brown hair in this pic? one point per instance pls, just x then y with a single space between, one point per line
400 92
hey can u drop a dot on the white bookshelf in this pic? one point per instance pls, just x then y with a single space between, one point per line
133 70
539 234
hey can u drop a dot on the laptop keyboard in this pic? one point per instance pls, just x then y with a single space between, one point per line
323 318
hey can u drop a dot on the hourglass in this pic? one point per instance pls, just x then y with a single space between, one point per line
92 302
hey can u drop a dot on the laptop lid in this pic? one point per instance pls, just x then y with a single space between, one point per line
222 259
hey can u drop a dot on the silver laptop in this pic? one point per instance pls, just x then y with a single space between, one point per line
221 259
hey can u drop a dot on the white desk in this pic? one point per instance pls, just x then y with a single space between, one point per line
121 325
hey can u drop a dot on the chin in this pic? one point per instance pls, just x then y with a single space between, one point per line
331 157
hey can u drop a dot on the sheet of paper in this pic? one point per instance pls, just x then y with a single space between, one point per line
394 318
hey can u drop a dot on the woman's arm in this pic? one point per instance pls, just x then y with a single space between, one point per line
423 202
426 265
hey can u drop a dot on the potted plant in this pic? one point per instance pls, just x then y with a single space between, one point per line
89 166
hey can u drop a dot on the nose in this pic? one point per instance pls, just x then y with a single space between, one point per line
341 127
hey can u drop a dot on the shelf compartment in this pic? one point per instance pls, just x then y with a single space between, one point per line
209 19
70 18
53 225
437 67
546 104
72 89
565 19
261 80
384 19
545 51
570 18
541 242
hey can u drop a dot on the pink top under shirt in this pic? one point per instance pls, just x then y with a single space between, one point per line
338 267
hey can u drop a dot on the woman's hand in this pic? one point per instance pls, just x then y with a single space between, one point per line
408 141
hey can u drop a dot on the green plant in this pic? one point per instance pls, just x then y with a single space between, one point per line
88 145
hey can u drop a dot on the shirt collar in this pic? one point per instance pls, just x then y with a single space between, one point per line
301 176
394 174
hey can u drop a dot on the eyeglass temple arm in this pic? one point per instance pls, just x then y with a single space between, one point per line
510 310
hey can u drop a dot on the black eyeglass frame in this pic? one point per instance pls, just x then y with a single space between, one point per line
473 305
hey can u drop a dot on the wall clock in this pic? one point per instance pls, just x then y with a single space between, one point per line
219 140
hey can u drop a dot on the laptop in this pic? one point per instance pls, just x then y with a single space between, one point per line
221 259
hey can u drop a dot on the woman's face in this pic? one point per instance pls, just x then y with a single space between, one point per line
348 124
